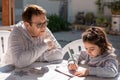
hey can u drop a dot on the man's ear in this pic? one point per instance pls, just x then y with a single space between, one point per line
26 24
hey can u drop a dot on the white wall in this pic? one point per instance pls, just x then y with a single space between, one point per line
80 5
51 6
18 10
74 6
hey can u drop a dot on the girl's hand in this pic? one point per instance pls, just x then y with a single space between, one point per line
72 67
80 73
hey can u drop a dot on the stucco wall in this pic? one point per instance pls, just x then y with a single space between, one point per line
18 10
80 5
51 6
74 6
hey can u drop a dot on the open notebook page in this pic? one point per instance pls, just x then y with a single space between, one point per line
64 70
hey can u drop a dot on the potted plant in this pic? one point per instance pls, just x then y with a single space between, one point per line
100 7
89 18
115 7
103 22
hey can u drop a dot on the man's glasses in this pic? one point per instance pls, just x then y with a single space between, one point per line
40 25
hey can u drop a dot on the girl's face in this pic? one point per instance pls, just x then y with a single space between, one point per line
92 49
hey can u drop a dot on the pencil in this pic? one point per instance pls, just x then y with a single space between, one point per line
71 55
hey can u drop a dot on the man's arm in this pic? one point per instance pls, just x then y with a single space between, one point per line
56 52
21 55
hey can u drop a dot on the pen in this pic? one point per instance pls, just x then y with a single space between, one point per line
71 52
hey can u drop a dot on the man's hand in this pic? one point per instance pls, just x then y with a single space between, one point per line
49 43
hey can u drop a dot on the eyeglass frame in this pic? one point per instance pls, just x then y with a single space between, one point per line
40 25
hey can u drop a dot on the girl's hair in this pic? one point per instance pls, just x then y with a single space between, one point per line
97 36
31 10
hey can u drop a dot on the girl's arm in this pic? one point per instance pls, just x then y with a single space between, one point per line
110 69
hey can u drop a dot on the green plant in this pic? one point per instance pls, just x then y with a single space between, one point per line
56 23
100 6
114 6
79 18
103 22
89 18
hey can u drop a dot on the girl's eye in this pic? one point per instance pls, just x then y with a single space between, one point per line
92 49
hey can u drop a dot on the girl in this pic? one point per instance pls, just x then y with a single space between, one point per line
99 55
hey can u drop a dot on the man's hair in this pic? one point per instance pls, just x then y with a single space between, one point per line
31 10
97 36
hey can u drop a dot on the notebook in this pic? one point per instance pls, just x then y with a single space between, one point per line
63 69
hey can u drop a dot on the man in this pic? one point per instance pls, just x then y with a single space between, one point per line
31 40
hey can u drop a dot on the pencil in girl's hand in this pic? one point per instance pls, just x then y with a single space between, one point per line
71 52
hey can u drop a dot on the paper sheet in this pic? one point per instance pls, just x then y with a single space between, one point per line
64 70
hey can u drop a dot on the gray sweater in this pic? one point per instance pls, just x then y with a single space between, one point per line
105 65
23 50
